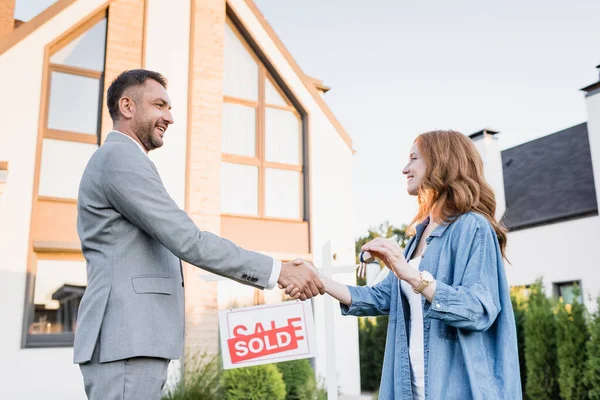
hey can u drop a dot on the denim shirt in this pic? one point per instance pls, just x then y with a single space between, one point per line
470 340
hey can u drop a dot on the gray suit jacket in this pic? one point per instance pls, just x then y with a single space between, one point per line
133 237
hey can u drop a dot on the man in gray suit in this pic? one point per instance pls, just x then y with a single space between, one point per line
133 236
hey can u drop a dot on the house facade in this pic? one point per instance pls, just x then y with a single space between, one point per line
255 156
548 191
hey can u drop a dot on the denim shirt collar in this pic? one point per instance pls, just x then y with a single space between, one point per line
437 232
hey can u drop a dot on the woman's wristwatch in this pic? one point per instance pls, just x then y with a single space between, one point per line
426 280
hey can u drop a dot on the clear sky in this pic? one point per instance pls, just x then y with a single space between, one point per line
398 68
27 9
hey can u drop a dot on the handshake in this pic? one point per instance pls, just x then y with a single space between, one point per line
300 280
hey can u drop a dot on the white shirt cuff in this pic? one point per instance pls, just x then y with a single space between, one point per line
274 274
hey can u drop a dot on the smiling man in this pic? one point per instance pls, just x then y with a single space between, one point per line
133 237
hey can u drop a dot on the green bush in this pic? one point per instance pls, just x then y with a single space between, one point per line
571 339
200 379
299 378
253 383
592 370
540 346
371 340
518 300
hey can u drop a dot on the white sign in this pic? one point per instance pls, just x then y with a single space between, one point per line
267 334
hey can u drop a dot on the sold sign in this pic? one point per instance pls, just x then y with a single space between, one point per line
264 334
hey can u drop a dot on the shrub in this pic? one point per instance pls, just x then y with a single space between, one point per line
200 379
299 378
571 339
540 346
518 299
253 383
592 370
371 338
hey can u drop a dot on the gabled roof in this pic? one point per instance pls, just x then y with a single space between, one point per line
549 179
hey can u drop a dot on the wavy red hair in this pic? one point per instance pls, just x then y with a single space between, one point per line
454 183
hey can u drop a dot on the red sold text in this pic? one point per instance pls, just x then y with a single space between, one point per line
246 345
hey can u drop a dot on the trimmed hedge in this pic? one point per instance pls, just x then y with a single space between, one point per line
540 346
592 369
253 383
571 338
299 378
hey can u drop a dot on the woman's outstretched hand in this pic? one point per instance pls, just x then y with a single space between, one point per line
390 253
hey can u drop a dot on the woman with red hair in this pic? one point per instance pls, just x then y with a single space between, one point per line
451 332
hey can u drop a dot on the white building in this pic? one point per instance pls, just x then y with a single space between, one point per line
255 155
547 191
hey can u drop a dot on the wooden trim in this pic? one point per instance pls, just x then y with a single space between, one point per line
3 165
307 181
144 34
284 108
307 82
236 159
57 199
60 256
243 102
260 136
190 99
287 167
30 26
285 257
67 69
56 247
319 84
277 235
263 218
79 29
71 136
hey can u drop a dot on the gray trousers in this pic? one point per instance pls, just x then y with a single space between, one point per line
138 378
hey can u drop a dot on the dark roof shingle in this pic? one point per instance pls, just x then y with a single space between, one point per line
549 179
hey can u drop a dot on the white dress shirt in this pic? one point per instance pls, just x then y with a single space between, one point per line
275 271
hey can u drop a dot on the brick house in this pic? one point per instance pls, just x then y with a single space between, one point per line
255 155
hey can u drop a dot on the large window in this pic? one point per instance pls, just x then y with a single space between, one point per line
71 112
261 174
74 99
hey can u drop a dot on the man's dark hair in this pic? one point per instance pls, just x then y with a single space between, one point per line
125 80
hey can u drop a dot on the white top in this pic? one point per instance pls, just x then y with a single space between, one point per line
275 271
416 347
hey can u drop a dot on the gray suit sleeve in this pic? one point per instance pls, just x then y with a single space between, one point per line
133 187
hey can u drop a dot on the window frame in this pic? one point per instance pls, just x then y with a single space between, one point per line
77 71
47 340
259 160
556 289
57 251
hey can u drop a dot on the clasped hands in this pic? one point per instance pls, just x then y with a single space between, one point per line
300 279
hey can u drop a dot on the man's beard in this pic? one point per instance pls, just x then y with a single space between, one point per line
145 132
